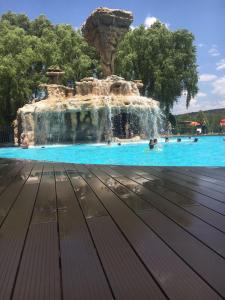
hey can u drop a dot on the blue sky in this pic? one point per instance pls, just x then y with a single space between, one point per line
205 18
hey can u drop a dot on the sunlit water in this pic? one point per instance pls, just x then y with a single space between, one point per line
208 151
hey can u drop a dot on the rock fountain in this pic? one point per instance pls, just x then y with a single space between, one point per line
95 110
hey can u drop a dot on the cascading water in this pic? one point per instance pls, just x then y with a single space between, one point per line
101 110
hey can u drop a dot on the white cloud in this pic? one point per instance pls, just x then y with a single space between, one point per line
200 45
180 106
207 77
219 86
149 21
222 103
196 104
201 94
214 51
221 64
132 27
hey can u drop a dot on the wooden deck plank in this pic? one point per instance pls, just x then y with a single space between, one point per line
193 196
196 180
82 274
191 184
214 172
157 256
39 272
204 200
8 197
13 233
7 173
186 246
127 275
186 203
207 234
196 173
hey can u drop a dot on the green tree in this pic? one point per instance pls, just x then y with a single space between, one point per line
28 48
164 60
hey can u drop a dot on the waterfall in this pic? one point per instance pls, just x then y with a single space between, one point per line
99 111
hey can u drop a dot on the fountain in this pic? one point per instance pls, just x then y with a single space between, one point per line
97 109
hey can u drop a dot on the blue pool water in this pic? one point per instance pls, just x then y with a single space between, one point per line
208 151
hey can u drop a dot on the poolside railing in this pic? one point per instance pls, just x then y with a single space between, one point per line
6 134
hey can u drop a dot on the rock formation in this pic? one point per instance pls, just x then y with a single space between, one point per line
99 107
103 29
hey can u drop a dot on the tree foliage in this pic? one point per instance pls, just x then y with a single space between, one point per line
28 48
164 60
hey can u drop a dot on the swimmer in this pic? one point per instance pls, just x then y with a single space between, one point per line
119 144
155 141
179 140
195 140
151 144
166 139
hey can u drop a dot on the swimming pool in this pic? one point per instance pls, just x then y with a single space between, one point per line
208 151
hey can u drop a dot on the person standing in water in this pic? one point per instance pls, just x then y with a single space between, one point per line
151 144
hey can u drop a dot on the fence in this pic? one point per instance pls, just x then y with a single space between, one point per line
6 134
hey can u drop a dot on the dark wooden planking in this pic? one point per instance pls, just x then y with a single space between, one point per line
39 272
127 275
6 168
8 197
196 180
82 274
182 190
173 275
89 203
204 232
45 209
191 184
205 262
197 174
13 233
188 204
8 173
216 173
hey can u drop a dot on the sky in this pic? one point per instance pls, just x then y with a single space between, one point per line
204 18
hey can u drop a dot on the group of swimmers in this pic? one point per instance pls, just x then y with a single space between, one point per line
154 142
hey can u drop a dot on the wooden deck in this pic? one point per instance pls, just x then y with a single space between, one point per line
108 232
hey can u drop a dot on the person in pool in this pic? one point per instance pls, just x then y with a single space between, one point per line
152 143
166 139
24 141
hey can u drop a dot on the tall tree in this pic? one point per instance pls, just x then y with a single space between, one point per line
164 60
